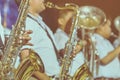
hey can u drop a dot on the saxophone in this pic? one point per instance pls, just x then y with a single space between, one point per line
12 48
32 63
64 75
83 72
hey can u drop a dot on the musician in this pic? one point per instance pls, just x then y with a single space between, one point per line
62 36
109 63
64 23
43 41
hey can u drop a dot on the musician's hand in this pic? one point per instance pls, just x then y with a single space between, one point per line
24 54
25 38
79 47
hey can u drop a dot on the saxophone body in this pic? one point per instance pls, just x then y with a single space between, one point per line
32 63
12 49
82 73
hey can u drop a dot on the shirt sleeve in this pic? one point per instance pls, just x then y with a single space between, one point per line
61 40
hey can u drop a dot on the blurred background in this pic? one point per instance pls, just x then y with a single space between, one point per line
9 11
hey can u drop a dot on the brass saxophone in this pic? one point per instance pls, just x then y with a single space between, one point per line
26 68
12 48
83 72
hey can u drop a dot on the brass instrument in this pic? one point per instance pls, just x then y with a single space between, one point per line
117 23
32 63
117 26
83 73
70 6
90 18
72 42
12 48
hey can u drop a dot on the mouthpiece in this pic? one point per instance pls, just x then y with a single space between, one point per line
67 6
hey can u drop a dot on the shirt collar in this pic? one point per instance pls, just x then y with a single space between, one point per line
99 36
36 18
39 20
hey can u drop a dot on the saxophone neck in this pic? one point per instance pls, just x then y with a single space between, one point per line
70 6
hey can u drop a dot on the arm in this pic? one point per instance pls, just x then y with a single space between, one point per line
112 55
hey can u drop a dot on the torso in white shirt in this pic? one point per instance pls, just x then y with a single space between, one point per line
104 47
43 45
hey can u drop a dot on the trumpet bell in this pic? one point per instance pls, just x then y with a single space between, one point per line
117 23
90 17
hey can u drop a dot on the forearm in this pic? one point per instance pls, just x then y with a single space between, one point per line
112 55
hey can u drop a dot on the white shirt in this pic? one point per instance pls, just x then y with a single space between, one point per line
1 30
43 45
104 47
61 39
116 43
